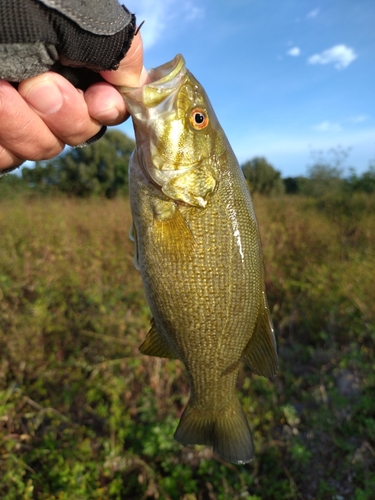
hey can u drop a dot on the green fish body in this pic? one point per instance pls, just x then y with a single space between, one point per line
198 249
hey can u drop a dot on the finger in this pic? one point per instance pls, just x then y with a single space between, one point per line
8 159
105 104
131 72
61 106
22 133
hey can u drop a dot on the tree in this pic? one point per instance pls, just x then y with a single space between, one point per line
325 175
291 185
98 169
364 183
42 176
262 177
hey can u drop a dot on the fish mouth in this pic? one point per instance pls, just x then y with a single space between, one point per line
164 80
167 72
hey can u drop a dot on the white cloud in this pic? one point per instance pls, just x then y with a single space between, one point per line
339 55
359 119
327 126
193 12
159 16
313 13
294 51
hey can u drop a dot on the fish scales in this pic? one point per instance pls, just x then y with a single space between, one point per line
198 250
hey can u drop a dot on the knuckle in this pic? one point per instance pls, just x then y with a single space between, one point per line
34 143
8 161
46 152
81 127
83 132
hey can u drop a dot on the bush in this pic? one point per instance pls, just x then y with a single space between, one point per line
262 177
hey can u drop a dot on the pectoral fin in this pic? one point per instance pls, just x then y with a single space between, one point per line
172 234
260 353
155 344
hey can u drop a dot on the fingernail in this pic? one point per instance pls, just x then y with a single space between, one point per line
46 99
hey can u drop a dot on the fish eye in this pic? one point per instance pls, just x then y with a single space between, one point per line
199 118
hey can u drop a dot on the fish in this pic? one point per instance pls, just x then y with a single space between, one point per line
198 249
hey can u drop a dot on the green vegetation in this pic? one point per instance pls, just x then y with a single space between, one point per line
262 177
326 177
97 170
84 416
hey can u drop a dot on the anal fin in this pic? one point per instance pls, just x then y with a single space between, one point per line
155 344
260 353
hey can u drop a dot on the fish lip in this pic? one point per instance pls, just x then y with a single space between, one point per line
163 81
167 72
155 98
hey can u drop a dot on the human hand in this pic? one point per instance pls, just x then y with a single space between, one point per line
48 112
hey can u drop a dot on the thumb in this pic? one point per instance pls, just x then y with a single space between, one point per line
131 72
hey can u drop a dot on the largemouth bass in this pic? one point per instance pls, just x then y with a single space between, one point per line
198 249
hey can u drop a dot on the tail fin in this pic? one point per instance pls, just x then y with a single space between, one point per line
229 432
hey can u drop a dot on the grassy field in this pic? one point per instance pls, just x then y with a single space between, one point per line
84 416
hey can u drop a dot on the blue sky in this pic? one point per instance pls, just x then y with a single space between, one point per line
285 77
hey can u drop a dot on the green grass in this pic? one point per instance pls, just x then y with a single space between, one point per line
84 416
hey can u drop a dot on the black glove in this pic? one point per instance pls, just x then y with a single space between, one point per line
72 37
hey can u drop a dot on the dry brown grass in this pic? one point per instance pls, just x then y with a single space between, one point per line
84 416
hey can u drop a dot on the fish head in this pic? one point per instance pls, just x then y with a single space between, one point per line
176 130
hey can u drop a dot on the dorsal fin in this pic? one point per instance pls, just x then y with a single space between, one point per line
260 353
155 344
